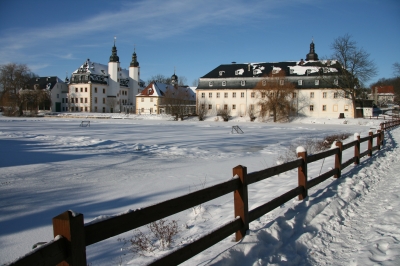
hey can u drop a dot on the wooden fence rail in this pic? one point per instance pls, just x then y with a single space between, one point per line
72 235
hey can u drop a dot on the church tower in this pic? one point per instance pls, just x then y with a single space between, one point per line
113 72
312 56
134 78
174 80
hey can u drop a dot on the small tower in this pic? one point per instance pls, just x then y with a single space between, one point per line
312 56
113 72
174 79
134 79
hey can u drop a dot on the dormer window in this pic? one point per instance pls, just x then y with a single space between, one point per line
150 91
224 83
243 82
221 73
325 70
300 82
281 82
291 71
317 82
211 83
239 72
264 82
308 71
336 82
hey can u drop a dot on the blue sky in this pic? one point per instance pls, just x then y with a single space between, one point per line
54 37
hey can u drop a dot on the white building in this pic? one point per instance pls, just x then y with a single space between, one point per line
95 87
316 94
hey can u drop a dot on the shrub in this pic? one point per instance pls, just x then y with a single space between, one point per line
312 146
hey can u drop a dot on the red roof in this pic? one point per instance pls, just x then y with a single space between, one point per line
384 89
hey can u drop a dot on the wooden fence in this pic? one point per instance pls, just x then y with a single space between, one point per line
72 235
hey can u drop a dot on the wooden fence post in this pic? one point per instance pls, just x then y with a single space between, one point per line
378 139
338 159
370 143
241 202
357 149
302 172
72 228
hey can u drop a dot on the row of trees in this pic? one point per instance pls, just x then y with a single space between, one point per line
13 78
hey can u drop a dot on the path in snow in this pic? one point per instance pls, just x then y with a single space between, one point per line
354 220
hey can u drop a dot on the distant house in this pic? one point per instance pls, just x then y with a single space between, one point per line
382 95
315 91
54 87
160 98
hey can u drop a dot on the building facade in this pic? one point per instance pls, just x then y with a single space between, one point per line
315 87
100 88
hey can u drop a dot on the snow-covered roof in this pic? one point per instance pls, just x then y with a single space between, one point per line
156 89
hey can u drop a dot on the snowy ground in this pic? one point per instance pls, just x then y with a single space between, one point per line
50 165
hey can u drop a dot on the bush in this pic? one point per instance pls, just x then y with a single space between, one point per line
312 146
162 234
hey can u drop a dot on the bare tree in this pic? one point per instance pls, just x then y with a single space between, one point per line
396 69
224 112
13 77
195 83
159 78
355 67
251 112
275 95
111 103
202 109
178 100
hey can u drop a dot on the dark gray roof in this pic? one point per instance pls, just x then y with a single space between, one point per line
43 83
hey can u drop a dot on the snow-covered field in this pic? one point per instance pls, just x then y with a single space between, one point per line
50 165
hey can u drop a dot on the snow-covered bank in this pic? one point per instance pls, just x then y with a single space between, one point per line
52 165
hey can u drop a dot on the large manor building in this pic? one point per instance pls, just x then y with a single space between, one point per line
95 87
314 83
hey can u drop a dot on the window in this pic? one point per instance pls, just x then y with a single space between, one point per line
104 109
294 95
324 95
243 82
210 83
325 70
242 95
85 89
225 107
335 95
85 109
311 94
203 106
347 95
76 100
335 81
85 100
81 89
224 83
317 82
151 100
95 99
281 82
81 100
210 95
104 100
203 95
263 94
233 106
76 109
225 95
142 99
264 82
104 90
95 90
72 100
311 108
95 108
58 96
253 95
66 100
299 82
221 73
233 94
81 109
76 89
62 100
324 107
209 106
346 108
308 71
218 94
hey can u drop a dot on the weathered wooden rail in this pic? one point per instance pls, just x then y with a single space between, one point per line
72 235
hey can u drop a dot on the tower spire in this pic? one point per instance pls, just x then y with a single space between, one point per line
134 62
312 55
114 57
